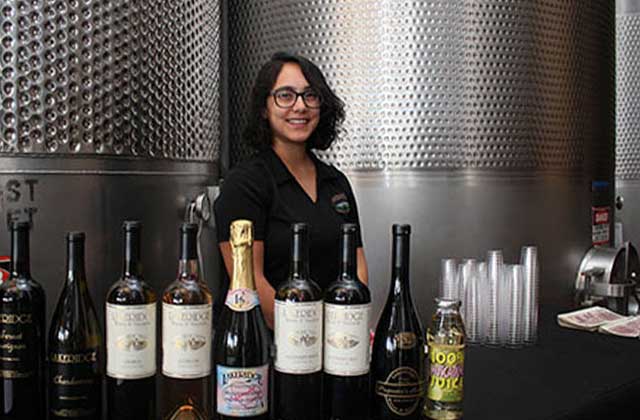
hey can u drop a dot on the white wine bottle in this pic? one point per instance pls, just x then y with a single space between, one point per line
75 343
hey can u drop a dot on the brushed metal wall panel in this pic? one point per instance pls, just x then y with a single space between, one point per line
446 85
628 96
628 115
111 77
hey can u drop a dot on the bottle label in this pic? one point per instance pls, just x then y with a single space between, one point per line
131 341
402 391
186 340
242 300
298 337
19 347
446 373
346 339
75 384
242 392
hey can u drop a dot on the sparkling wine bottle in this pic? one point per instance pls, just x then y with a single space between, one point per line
298 337
131 337
186 338
397 367
22 335
242 340
347 305
75 343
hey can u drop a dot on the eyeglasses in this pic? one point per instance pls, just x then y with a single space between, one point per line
287 97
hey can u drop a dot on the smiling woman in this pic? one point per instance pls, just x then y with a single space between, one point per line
293 112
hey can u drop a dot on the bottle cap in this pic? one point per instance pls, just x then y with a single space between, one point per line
75 236
187 227
241 233
20 225
349 228
131 224
399 229
299 227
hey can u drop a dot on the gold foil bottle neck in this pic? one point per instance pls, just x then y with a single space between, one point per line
241 233
242 250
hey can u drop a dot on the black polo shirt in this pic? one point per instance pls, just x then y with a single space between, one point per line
264 191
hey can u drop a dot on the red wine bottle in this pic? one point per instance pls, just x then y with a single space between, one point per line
242 340
347 305
75 343
22 335
298 337
398 360
131 337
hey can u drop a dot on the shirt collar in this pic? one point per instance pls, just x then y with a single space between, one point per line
282 174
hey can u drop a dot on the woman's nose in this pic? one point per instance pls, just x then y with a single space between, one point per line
299 104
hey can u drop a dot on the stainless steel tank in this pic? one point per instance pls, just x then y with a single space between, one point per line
480 122
628 116
110 110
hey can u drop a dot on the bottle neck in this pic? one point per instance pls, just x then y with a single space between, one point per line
348 260
75 262
299 256
132 266
20 253
400 265
188 263
243 277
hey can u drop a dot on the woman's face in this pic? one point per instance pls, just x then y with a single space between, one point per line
294 124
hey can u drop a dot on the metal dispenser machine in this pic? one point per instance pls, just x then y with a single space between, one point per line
608 277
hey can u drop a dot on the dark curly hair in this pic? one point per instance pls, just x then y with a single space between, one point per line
258 132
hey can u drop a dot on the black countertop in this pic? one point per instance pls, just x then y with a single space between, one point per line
568 374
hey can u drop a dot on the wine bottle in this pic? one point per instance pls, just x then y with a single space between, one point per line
22 335
347 305
131 337
187 314
397 367
75 342
298 337
242 339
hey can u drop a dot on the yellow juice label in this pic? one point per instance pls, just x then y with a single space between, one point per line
446 373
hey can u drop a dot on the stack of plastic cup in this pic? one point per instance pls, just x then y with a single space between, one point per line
529 259
471 301
514 279
449 288
495 265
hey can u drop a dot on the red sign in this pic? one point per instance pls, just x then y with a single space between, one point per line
600 232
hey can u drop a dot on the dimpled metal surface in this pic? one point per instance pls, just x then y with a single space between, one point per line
456 84
110 77
628 96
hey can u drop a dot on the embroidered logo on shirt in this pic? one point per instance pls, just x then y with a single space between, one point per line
340 203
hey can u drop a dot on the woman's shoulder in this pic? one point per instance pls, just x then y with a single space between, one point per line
253 170
330 171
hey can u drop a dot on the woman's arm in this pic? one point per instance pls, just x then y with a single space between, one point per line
266 293
363 271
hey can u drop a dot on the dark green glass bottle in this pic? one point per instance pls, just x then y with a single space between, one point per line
22 335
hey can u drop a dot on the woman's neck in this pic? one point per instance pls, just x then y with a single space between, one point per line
293 155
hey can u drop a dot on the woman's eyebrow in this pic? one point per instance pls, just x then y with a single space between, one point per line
307 87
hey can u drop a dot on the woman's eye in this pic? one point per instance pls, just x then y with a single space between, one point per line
285 96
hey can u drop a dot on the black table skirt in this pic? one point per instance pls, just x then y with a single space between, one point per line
569 374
